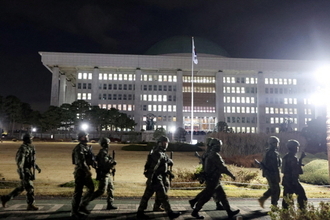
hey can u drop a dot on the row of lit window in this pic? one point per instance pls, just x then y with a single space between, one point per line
158 88
238 109
272 110
244 129
116 97
144 127
280 90
246 80
200 120
120 107
117 76
161 118
290 101
199 89
199 109
158 98
237 99
199 79
227 89
159 78
159 108
84 96
241 120
308 101
85 75
280 120
280 81
105 86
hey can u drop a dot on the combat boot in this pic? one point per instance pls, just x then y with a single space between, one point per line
158 209
77 215
4 200
261 202
192 203
110 206
219 206
232 213
196 215
32 207
141 215
173 215
83 209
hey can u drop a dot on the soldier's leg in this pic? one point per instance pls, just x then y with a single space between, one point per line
6 198
148 192
78 190
89 193
287 196
100 190
162 196
302 198
275 192
223 199
110 197
29 188
206 194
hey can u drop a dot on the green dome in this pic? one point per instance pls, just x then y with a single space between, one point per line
182 45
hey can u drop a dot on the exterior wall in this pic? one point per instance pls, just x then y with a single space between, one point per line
251 95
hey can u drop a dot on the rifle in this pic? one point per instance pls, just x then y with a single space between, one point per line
171 167
261 165
113 169
34 165
199 157
303 155
90 159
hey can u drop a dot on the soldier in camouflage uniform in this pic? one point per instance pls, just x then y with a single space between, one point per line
25 159
270 169
158 167
214 167
291 169
192 202
82 159
105 163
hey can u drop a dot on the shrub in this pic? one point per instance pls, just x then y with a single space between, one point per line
316 172
293 213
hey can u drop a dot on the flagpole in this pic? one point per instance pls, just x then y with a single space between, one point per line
192 92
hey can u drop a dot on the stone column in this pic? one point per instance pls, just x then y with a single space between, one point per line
54 99
219 106
138 113
62 90
261 115
71 92
179 99
95 87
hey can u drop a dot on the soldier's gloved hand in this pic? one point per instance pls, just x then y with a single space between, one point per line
21 175
114 162
233 177
170 162
39 170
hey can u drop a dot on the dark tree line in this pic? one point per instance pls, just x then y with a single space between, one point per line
18 115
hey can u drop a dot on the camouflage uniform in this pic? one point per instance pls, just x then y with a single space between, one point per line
270 169
291 169
105 164
83 177
214 167
192 202
157 166
25 159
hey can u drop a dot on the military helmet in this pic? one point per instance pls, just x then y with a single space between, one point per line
163 139
292 144
82 134
27 137
208 140
216 144
104 141
273 140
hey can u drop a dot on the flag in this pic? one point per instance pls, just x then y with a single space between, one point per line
194 54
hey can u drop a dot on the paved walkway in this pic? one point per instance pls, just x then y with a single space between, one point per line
59 208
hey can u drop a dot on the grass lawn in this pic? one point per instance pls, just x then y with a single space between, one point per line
54 158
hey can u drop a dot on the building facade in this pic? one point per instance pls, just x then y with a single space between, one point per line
250 95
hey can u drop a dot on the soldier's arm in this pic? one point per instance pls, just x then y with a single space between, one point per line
81 160
224 169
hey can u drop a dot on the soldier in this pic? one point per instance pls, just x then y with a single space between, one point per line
270 169
25 160
291 169
157 167
214 167
105 163
82 159
192 202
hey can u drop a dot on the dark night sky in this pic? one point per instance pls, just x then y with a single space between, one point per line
268 29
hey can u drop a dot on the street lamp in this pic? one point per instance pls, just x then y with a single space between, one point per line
84 126
172 130
322 75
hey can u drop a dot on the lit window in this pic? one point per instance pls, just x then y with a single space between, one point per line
110 76
174 108
115 75
89 96
174 78
164 98
79 75
169 108
105 76
84 96
84 75
159 108
90 76
120 76
160 78
78 95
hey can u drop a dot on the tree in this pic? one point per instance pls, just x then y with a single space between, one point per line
222 126
51 119
180 134
13 109
80 109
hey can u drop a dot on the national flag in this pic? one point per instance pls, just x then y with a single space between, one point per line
194 54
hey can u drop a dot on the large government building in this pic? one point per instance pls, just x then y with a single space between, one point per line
250 95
